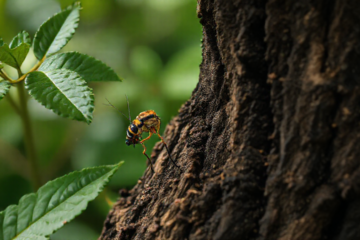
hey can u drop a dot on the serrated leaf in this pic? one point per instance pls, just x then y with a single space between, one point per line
14 57
21 37
89 68
4 88
62 91
58 201
54 34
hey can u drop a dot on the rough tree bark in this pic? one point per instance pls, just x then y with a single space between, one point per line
269 141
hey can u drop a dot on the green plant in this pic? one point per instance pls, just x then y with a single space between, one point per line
57 202
59 81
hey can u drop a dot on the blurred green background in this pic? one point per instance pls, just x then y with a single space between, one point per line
153 44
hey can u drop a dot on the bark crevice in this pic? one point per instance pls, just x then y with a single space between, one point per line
268 140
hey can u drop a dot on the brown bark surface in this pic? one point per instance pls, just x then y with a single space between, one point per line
268 143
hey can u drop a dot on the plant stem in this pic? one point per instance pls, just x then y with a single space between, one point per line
21 78
5 76
28 137
13 104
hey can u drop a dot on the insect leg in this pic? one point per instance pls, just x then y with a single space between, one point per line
167 149
144 152
150 133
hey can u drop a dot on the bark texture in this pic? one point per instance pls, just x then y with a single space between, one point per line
268 143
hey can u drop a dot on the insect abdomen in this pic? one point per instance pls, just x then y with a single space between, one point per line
147 117
133 128
129 135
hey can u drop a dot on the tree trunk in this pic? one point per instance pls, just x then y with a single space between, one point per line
269 141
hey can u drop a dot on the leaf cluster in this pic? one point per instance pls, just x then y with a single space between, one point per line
59 81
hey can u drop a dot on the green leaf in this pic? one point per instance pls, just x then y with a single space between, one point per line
54 34
4 89
22 37
14 57
62 91
32 237
1 42
58 201
89 68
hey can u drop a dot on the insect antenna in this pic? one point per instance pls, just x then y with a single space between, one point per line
127 117
128 107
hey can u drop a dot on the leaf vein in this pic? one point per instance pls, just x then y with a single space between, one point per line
64 94
97 178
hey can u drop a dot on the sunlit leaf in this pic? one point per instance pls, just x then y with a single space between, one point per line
89 68
4 88
54 34
63 91
58 201
22 37
14 57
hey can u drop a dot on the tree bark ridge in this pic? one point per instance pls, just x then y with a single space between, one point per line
220 140
268 140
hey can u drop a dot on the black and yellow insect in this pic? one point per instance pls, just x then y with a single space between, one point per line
147 121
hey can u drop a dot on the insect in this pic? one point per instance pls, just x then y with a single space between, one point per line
147 121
